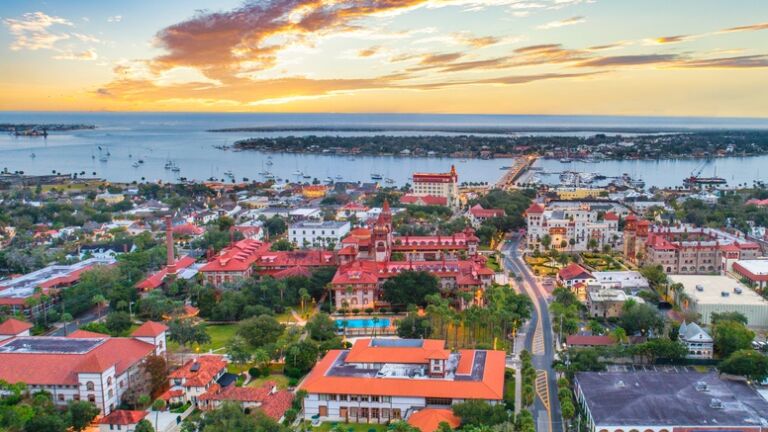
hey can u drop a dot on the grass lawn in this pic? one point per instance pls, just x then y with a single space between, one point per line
220 334
353 427
279 379
285 317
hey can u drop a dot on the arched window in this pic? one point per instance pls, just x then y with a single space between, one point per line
92 398
110 393
89 386
109 381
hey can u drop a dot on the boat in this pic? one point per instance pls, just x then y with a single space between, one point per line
695 180
328 180
33 155
389 180
566 160
339 177
307 176
269 176
168 165
229 173
141 161
270 163
103 159
136 164
297 173
376 176
175 169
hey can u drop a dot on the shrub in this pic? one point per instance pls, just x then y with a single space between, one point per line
254 372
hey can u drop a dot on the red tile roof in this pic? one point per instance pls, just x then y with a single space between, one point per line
574 271
188 229
123 417
490 387
276 405
362 352
150 329
85 334
611 216
12 326
478 211
210 366
424 200
466 359
534 209
297 271
156 279
429 419
62 369
238 257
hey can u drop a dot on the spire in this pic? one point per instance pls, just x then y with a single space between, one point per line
385 207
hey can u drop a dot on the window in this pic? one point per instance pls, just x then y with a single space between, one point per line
109 381
61 397
89 386
92 398
439 401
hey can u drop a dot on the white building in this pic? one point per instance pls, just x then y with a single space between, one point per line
699 343
444 185
627 281
379 380
318 233
574 228
709 294
83 366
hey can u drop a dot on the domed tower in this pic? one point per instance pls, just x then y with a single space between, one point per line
381 238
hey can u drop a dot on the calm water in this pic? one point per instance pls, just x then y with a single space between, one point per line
355 323
156 138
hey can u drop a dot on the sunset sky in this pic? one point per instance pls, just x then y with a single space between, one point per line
615 57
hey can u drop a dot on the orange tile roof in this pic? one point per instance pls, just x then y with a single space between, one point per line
238 257
490 387
12 326
429 419
466 359
573 271
535 209
210 366
150 329
85 334
156 279
44 368
123 417
363 352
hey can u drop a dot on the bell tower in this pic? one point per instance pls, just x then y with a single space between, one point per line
381 237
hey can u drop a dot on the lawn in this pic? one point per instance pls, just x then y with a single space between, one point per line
279 379
220 334
347 427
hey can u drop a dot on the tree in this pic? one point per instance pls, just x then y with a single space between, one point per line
80 414
99 300
738 317
321 327
640 317
414 327
546 241
732 336
748 363
45 423
157 370
261 330
300 357
118 323
230 417
185 332
410 287
281 245
661 348
144 426
478 413
238 351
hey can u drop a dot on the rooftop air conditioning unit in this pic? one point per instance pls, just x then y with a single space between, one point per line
699 287
701 386
716 403
737 290
725 294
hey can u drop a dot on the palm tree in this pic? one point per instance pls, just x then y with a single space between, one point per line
99 301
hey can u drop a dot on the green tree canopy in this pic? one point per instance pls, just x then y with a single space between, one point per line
261 330
321 327
732 336
748 363
410 287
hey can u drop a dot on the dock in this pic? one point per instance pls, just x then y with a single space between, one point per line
521 165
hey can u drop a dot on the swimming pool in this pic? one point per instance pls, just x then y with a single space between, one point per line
355 323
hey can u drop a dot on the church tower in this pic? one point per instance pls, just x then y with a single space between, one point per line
381 238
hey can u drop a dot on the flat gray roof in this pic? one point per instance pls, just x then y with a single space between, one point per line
650 398
49 345
712 287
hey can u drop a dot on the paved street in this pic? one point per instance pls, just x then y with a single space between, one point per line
539 341
85 318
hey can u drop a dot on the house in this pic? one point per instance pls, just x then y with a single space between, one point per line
379 380
106 250
121 420
91 367
429 419
607 302
273 402
12 327
573 274
477 214
699 343
195 377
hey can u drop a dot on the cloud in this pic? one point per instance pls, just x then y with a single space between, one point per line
115 18
750 27
738 62
85 37
438 59
87 55
369 52
671 39
562 23
629 60
32 31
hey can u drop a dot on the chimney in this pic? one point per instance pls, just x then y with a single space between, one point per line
171 259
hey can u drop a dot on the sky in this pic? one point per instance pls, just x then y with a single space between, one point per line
591 57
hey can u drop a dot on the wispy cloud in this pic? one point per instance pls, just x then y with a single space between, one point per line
115 18
562 23
750 27
33 31
89 54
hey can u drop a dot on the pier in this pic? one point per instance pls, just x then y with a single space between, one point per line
521 165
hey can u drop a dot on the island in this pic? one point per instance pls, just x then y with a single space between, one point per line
41 129
599 146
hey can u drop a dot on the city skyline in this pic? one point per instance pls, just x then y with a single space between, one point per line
426 56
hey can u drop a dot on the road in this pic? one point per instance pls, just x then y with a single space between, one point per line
538 341
85 318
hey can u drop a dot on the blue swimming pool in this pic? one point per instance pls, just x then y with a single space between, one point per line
356 323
